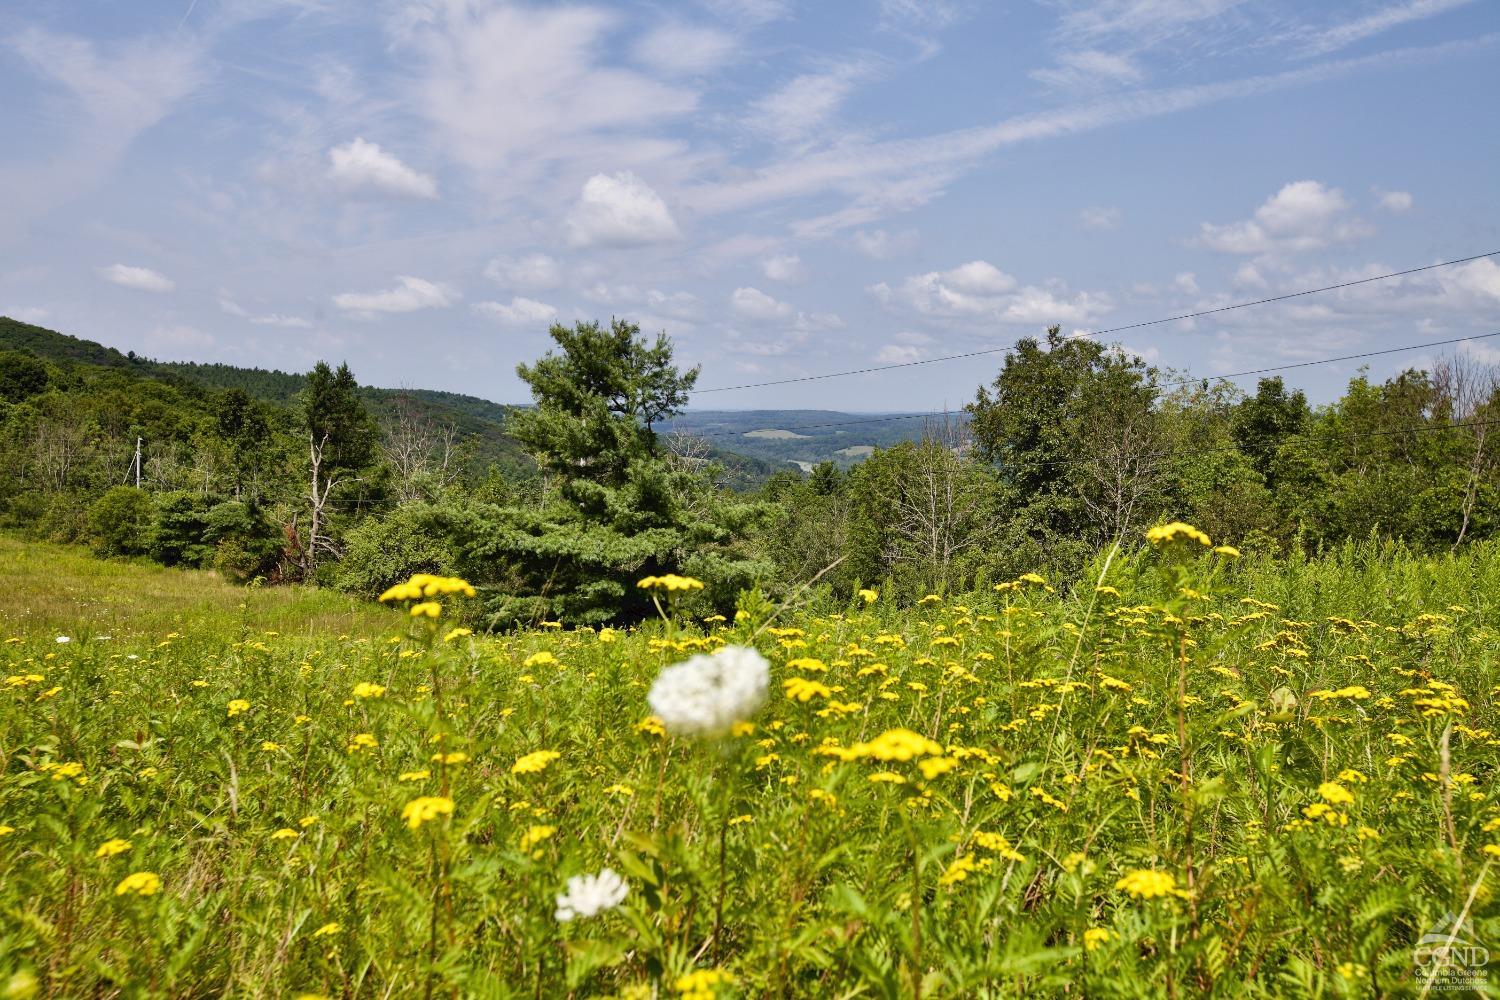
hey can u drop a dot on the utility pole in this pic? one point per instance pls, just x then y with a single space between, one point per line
137 463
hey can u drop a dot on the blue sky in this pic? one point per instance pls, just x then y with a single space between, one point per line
422 186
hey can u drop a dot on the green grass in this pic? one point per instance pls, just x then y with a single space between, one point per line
1305 753
49 590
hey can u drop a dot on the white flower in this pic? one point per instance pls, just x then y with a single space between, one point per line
706 695
590 895
64 638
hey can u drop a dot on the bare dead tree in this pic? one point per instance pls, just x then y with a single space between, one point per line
421 452
57 448
1470 390
1121 462
942 502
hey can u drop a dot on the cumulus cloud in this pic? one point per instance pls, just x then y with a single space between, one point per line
682 49
1394 202
620 210
532 272
752 303
409 295
1099 218
787 268
979 291
519 311
1303 215
142 279
360 164
898 354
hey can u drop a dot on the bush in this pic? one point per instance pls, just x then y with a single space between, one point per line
180 535
120 522
246 544
384 551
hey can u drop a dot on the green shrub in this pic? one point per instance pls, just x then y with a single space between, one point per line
120 522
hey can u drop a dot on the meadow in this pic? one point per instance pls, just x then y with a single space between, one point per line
1188 774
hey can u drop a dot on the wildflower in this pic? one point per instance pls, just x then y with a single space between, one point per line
365 689
535 835
328 929
457 633
363 741
140 883
1167 534
424 808
541 659
804 690
535 762
1145 883
591 895
307 821
285 833
456 757
111 847
959 870
63 640
669 582
702 984
1095 936
6 829
897 744
707 694
931 767
869 596
1335 793
429 609
426 585
238 706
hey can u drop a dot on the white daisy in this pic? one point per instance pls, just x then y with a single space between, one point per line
591 895
706 695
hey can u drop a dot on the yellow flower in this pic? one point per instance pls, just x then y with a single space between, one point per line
1166 534
328 929
285 833
140 883
1227 551
426 585
420 810
1493 850
534 762
365 689
6 830
238 706
869 596
1335 793
931 767
702 984
535 835
111 847
307 821
804 690
457 633
430 609
1144 883
456 757
671 583
421 775
363 741
1095 936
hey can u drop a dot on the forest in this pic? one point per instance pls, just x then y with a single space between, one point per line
554 509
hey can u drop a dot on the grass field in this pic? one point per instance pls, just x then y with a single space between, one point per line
1208 776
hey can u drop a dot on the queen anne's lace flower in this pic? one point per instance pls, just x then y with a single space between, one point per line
590 895
707 695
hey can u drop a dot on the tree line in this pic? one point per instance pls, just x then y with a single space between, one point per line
1074 446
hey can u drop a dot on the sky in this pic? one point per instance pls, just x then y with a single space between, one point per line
786 188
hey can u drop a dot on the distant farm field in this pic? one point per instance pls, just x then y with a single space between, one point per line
1185 775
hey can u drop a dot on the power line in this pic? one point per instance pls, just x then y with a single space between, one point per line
1099 333
1169 382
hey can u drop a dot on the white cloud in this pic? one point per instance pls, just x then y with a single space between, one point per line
361 164
620 210
898 354
880 244
409 295
1088 69
285 322
979 292
1478 280
787 268
750 11
927 15
755 304
514 90
1303 215
533 272
1395 202
1187 282
1099 218
1142 22
1384 19
142 279
519 311
804 105
682 49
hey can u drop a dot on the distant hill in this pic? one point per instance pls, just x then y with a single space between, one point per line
803 437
